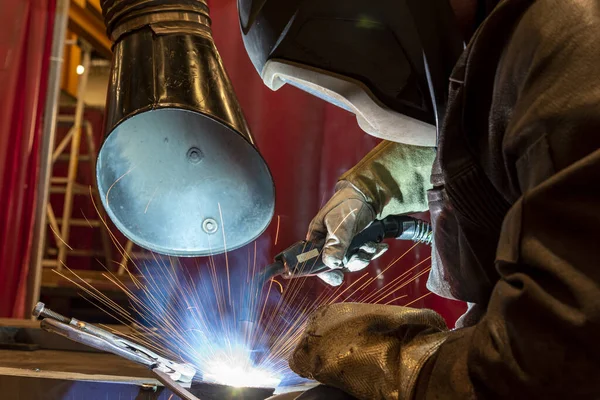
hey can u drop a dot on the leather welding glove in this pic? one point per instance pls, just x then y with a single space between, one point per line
369 351
345 214
393 179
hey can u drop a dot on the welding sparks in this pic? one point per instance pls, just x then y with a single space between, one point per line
113 185
278 284
214 314
238 371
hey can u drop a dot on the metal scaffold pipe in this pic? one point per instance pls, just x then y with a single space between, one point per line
59 34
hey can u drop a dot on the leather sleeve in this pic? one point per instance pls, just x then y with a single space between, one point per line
540 337
371 351
394 178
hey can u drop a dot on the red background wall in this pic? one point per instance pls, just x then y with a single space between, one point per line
306 142
25 40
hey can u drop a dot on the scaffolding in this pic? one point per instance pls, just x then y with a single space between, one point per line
69 150
56 223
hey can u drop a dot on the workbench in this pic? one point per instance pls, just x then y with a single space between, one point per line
35 365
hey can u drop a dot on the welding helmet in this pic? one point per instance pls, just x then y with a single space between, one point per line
386 61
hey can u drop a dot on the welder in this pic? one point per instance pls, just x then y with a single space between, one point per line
512 119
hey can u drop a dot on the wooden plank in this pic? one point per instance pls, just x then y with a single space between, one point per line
49 263
75 376
126 257
88 223
74 157
19 323
31 324
94 278
95 4
65 157
72 58
77 189
106 241
77 253
74 362
45 365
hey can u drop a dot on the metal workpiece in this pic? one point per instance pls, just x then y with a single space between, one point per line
37 364
172 374
73 333
40 311
178 151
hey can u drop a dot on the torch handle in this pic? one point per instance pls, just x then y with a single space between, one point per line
304 258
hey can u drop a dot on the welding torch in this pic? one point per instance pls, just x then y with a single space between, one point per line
304 258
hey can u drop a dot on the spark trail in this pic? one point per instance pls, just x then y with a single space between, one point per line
190 310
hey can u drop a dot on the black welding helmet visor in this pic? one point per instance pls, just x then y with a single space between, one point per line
386 61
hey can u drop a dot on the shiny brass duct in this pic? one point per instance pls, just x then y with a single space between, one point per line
178 172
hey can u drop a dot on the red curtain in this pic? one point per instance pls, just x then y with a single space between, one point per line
25 41
308 144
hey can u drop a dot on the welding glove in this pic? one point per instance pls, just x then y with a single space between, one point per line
370 351
346 214
393 179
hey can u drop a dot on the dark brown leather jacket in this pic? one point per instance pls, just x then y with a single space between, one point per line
516 206
516 209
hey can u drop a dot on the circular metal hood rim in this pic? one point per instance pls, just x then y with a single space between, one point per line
168 252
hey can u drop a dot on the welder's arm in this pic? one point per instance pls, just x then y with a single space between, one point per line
370 351
393 179
540 337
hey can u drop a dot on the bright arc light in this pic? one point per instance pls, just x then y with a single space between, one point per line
238 371
80 69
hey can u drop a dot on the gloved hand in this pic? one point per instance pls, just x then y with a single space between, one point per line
392 179
370 351
345 215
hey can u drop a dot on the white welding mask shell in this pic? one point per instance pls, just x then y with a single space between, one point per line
372 116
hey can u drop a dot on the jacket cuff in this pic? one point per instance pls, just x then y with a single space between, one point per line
394 178
413 357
